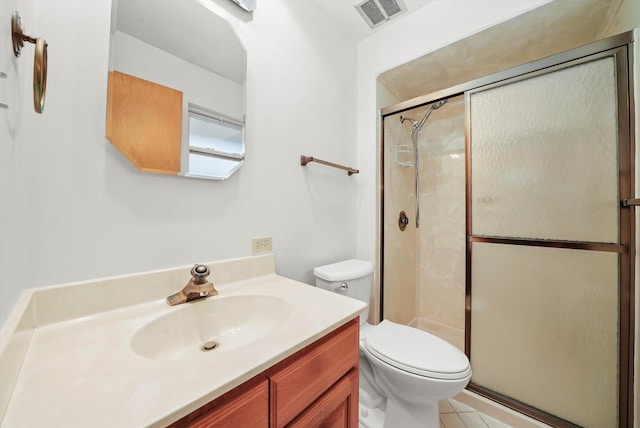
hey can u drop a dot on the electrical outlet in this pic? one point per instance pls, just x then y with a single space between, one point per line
261 245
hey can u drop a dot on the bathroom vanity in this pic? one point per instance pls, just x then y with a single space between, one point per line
317 386
111 352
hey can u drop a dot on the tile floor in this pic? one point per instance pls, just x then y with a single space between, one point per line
454 414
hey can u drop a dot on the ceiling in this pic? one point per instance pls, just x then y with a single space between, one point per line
546 30
348 19
549 29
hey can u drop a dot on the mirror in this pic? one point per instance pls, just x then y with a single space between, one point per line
248 5
176 96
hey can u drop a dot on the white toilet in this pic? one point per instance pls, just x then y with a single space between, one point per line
404 371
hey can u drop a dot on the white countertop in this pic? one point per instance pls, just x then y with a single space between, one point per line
83 372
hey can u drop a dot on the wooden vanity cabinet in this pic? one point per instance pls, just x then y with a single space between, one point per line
303 378
315 387
336 408
245 406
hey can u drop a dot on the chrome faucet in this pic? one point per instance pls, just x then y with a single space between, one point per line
198 287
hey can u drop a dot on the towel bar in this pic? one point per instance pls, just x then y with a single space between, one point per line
304 160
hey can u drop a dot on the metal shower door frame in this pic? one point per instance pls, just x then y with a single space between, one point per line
625 247
619 46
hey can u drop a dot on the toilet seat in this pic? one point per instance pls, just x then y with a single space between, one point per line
416 351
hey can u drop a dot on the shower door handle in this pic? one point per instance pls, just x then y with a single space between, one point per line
630 202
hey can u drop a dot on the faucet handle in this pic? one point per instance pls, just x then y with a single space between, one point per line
200 273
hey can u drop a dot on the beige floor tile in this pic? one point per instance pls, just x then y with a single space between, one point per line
445 407
459 407
493 423
451 420
472 420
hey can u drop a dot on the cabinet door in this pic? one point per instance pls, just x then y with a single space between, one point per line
242 407
336 408
144 122
298 382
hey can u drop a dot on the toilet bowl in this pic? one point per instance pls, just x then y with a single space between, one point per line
404 371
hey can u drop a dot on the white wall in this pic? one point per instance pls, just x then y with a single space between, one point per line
72 208
624 15
433 26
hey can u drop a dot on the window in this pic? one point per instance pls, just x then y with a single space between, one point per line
216 144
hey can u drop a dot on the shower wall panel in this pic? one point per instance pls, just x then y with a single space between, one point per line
399 270
424 268
441 237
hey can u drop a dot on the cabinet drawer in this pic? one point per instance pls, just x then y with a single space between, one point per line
302 380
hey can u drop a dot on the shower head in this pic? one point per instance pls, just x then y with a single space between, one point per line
435 106
417 126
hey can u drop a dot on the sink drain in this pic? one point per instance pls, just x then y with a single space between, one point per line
208 346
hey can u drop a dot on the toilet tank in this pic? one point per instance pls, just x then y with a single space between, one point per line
353 278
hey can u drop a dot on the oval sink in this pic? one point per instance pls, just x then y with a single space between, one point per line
217 323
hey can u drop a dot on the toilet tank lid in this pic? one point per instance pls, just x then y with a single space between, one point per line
344 271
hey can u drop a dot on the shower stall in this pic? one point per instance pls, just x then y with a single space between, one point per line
508 229
426 264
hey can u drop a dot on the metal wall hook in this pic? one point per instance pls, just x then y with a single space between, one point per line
18 37
40 75
17 34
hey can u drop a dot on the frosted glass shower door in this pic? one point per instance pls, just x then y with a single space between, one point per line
544 225
545 329
545 156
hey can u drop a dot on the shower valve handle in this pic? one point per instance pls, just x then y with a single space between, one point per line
403 221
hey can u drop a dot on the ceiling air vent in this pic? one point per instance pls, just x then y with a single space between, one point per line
376 12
